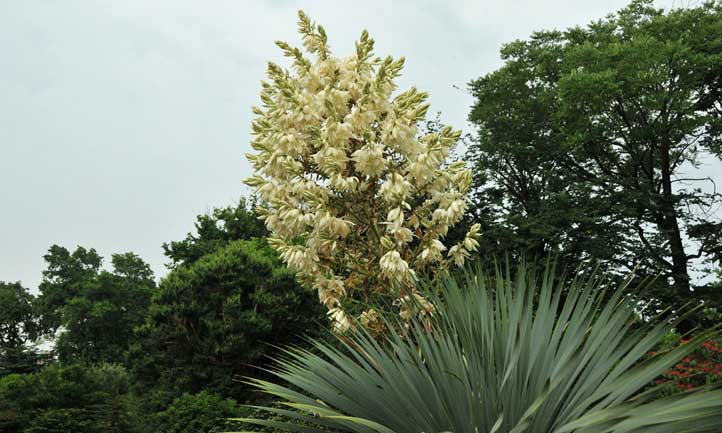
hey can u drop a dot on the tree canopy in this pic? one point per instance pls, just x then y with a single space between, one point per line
18 329
94 311
589 141
214 230
211 321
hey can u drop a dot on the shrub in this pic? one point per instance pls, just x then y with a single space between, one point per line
196 413
218 318
701 367
65 399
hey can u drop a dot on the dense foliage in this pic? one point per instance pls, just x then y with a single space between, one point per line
94 311
73 399
194 413
589 140
18 329
214 230
210 322
178 347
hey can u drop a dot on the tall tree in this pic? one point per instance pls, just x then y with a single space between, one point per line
18 327
17 322
214 230
594 135
524 196
95 310
64 277
213 320
226 297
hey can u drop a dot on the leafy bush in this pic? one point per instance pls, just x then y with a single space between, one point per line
196 413
701 367
216 318
59 420
66 399
500 355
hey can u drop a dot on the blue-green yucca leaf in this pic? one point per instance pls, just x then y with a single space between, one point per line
502 354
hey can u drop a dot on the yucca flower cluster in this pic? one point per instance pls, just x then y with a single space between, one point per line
357 201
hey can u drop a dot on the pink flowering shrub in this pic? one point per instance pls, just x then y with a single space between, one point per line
702 367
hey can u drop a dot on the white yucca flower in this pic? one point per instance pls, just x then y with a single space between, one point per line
335 226
348 186
395 219
340 320
370 160
402 236
394 267
458 254
395 189
330 291
432 253
331 160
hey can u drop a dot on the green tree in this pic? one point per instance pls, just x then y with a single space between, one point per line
67 399
212 320
214 230
590 138
526 201
64 278
18 328
192 413
95 310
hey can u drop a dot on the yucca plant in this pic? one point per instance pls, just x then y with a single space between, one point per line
501 354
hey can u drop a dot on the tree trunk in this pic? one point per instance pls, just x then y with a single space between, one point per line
669 226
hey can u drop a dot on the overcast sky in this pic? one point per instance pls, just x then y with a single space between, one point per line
120 121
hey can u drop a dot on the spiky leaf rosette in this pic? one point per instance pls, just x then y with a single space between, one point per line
356 200
503 356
